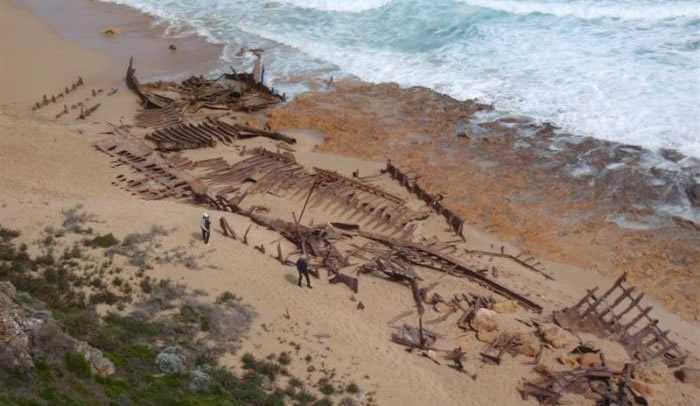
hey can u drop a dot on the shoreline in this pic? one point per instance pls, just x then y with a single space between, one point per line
139 24
136 35
613 206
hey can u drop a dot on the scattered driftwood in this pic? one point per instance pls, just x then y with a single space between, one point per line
413 337
475 303
503 344
227 229
348 280
598 383
617 313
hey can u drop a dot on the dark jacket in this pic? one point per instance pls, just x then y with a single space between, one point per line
302 265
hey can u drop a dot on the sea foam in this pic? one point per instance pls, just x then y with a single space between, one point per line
620 70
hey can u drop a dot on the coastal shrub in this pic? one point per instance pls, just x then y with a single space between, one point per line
74 219
323 402
63 377
102 241
78 365
171 360
264 368
284 358
352 388
225 297
325 386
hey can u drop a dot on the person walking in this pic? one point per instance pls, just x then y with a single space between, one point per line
205 225
303 268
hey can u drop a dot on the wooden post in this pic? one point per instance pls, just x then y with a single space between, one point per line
634 303
625 294
589 294
636 319
605 295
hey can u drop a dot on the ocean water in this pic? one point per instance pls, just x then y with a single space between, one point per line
621 70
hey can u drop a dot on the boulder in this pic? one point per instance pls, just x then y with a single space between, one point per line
99 364
486 336
690 376
640 388
528 350
506 306
556 336
590 359
484 319
171 360
442 307
654 371
529 345
615 366
15 350
568 361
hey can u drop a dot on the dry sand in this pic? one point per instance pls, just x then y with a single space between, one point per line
48 165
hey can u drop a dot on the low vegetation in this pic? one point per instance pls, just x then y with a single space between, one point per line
71 271
68 287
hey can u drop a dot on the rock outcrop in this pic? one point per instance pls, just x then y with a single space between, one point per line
27 335
690 376
15 350
556 336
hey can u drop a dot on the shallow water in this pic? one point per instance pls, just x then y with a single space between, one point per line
621 70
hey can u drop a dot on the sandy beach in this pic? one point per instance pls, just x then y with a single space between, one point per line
49 164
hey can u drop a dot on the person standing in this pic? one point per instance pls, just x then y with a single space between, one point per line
303 268
205 225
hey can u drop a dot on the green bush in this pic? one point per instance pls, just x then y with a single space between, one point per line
78 365
225 297
284 358
325 386
265 368
102 241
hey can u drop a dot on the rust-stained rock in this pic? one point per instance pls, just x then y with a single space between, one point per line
528 350
615 366
484 319
99 364
112 31
590 359
654 371
568 361
529 345
556 336
506 306
486 336
442 307
690 376
640 388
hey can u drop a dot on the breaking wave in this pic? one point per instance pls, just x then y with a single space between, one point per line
590 10
354 6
